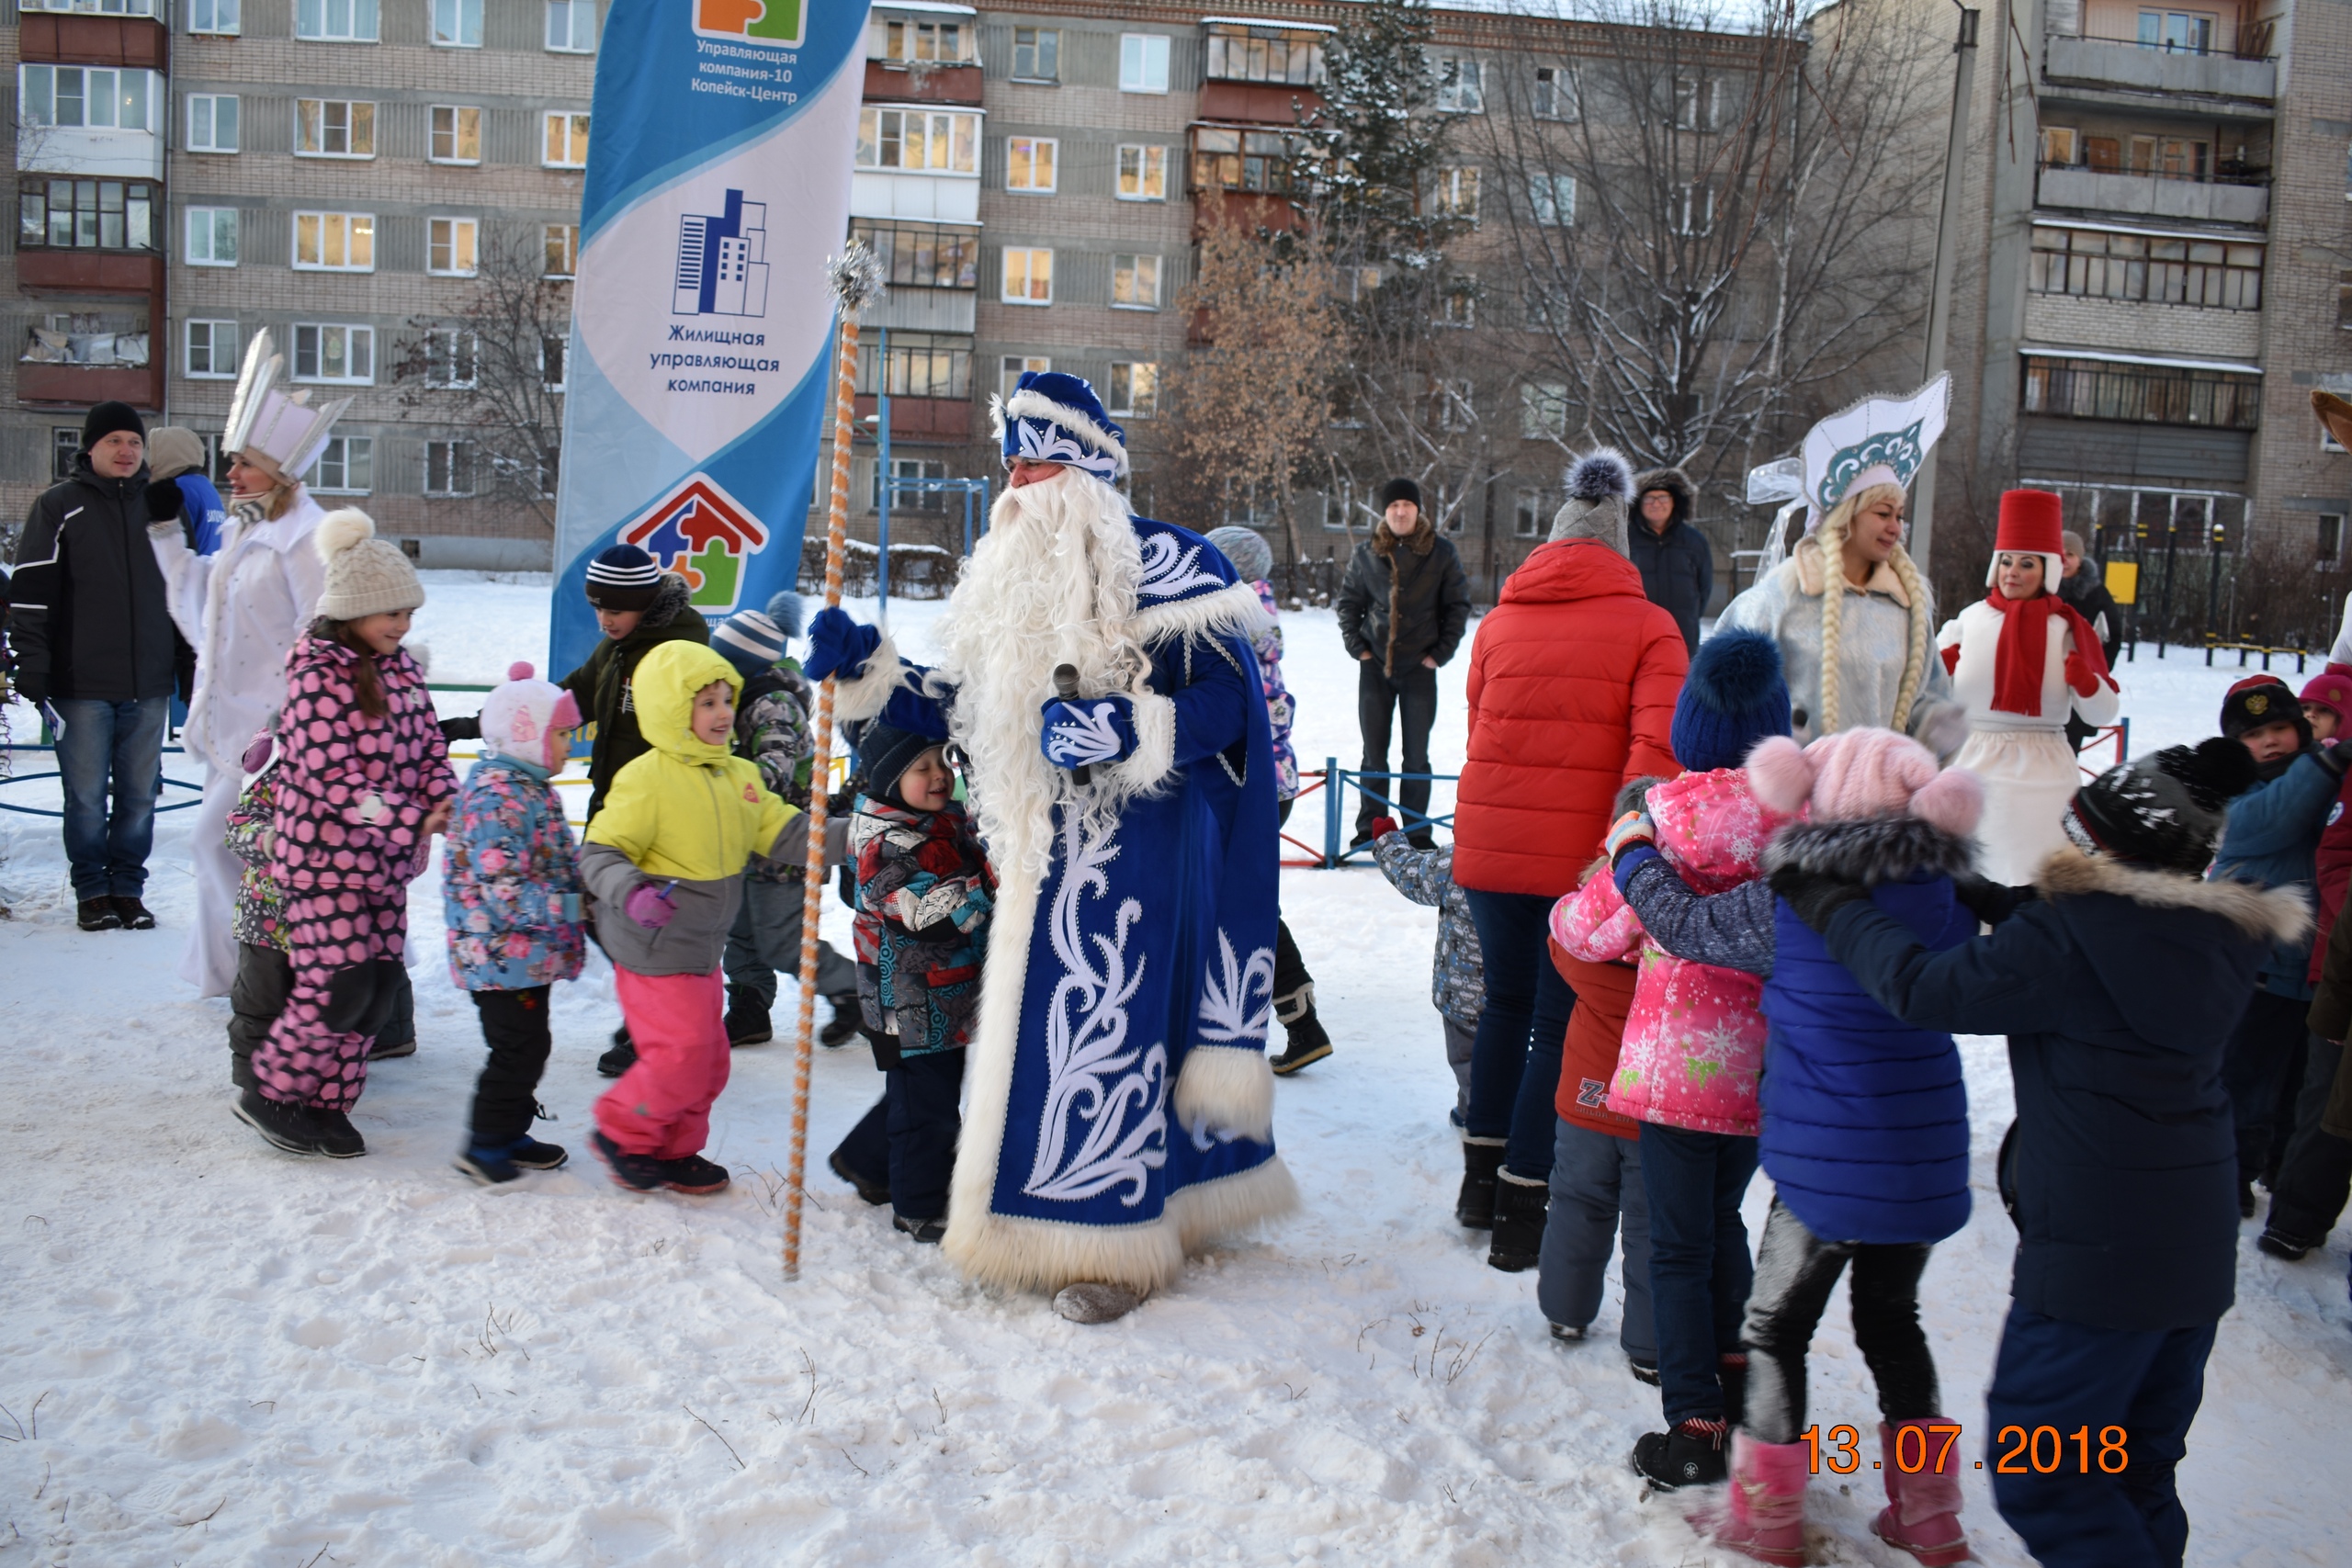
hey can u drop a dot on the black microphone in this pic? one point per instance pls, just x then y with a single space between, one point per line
1066 687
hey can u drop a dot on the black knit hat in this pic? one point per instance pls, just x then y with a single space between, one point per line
105 419
623 578
2260 700
1398 489
2165 810
885 751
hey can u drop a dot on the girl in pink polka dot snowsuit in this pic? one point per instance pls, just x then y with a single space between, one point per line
358 799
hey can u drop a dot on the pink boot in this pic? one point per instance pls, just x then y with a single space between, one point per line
1767 1493
1922 1514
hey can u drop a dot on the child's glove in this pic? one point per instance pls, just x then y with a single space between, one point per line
1381 827
1634 828
838 645
1086 730
649 906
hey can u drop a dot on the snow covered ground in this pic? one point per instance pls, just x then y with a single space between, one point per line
215 1354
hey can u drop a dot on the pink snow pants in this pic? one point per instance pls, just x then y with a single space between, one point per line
345 950
662 1106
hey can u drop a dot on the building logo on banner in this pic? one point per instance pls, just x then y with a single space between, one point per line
723 260
704 534
776 23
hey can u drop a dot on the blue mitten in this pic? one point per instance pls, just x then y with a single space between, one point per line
1082 731
838 645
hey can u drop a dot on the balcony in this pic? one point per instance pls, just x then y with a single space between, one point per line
1257 102
2135 67
2220 200
2144 326
79 386
89 272
889 81
86 39
921 419
924 309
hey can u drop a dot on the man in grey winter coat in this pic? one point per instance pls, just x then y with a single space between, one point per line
1403 607
1676 560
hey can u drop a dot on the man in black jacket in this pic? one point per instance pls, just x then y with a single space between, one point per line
1403 607
1677 563
95 645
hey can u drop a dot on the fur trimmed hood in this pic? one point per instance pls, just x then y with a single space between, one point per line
1676 483
1872 849
2274 914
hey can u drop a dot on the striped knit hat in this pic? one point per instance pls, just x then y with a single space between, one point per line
750 641
623 578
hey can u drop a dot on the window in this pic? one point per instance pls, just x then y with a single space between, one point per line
1240 53
212 351
2061 146
1028 276
571 27
1010 370
335 241
456 134
212 123
331 128
939 43
2327 441
1135 282
1454 194
106 7
346 466
64 450
907 491
335 21
450 246
1460 86
2331 538
1553 199
213 15
1692 209
2189 32
1037 54
211 236
449 467
1143 173
2344 299
920 364
1143 63
1135 389
552 357
2212 273
1527 514
1697 104
1456 408
918 138
105 215
456 24
1459 307
567 142
1226 159
86 97
334 354
1556 94
922 256
2143 394
1029 163
1543 409
563 241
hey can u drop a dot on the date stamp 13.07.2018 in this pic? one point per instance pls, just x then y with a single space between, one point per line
1928 1447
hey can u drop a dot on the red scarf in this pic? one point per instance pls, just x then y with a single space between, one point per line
2022 657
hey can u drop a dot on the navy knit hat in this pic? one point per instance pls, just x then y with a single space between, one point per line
1734 697
623 578
885 751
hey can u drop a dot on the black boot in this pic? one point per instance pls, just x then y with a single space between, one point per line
1691 1455
1306 1043
1520 1208
1731 1373
747 1019
285 1124
621 1057
842 1028
1481 1158
98 915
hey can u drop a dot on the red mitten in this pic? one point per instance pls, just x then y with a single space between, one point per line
1383 825
2079 675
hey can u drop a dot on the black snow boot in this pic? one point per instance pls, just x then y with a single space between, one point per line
871 1191
134 915
1520 1208
842 1028
1691 1455
287 1126
2283 1243
693 1175
621 1057
1481 1158
1306 1043
927 1232
338 1139
99 915
641 1172
747 1019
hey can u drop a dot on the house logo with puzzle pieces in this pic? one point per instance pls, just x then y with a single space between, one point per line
777 24
704 534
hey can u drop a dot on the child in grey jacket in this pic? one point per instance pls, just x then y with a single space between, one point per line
1457 973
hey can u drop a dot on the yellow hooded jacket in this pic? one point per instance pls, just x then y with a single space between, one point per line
686 811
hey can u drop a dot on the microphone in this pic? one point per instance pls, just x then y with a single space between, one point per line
1065 688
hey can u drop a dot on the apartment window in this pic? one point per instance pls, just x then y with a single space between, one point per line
449 467
1143 173
2212 273
2143 394
920 364
331 128
451 248
1692 209
89 97
2344 299
1460 85
1697 104
940 43
456 134
210 353
2189 32
1029 163
1028 276
1135 282
212 123
1553 199
335 241
86 215
213 16
1143 63
335 21
1135 389
211 236
2061 146
456 24
1226 159
1011 368
918 138
1557 95
334 354
562 242
551 361
1543 409
1459 307
64 450
567 142
346 466
1457 408
922 256
2331 538
1037 54
1455 193
452 359
1527 514
2327 441
571 27
1238 52
908 491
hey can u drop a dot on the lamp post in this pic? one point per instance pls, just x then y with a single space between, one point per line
1923 508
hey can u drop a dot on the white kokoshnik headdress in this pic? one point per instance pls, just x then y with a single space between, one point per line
279 426
1880 440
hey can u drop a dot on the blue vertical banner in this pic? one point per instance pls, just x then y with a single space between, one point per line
719 182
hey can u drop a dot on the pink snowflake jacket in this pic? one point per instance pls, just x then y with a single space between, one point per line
354 792
1694 1041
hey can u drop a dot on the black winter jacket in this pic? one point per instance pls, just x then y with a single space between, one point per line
1405 604
603 686
2118 989
1678 567
88 617
2086 592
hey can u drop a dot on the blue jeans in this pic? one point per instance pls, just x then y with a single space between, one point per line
2067 1376
1515 1062
1699 1270
121 744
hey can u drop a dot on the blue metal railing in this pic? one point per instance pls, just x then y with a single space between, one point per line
1337 780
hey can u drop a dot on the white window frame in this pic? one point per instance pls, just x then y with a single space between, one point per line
1567 95
456 113
1527 514
1011 367
1466 94
351 123
1542 411
453 233
570 247
336 456
572 120
932 122
1544 203
452 456
1142 57
1036 42
1125 407
572 11
1685 216
447 350
353 224
1049 146
360 19
222 18
209 218
37 83
354 334
226 363
1029 255
1447 191
1137 265
204 109
1693 111
454 24
1151 166
2327 548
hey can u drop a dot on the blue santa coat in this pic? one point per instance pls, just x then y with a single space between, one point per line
1865 1117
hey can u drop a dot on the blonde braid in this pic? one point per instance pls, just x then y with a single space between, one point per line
1914 657
1831 536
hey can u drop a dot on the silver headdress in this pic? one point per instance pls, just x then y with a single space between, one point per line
1879 440
280 426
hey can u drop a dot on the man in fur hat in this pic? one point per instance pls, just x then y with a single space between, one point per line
1403 605
1098 677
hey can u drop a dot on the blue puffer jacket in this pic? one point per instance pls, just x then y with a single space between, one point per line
510 881
1865 1129
2271 840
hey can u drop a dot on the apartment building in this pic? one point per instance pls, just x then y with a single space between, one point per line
340 172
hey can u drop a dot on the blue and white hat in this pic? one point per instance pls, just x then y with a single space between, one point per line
1054 418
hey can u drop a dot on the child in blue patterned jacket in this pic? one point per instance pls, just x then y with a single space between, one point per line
1458 973
511 894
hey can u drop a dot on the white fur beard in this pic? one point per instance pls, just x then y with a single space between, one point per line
1053 583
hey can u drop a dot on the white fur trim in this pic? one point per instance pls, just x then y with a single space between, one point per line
862 696
2054 568
1236 609
2279 914
1230 1088
1155 754
1033 404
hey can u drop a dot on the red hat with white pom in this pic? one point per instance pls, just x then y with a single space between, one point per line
524 718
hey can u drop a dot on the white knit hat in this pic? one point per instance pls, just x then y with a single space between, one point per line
365 575
520 718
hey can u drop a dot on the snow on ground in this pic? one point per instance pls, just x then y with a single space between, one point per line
217 1354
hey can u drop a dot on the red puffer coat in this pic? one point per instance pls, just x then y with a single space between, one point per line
1572 686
